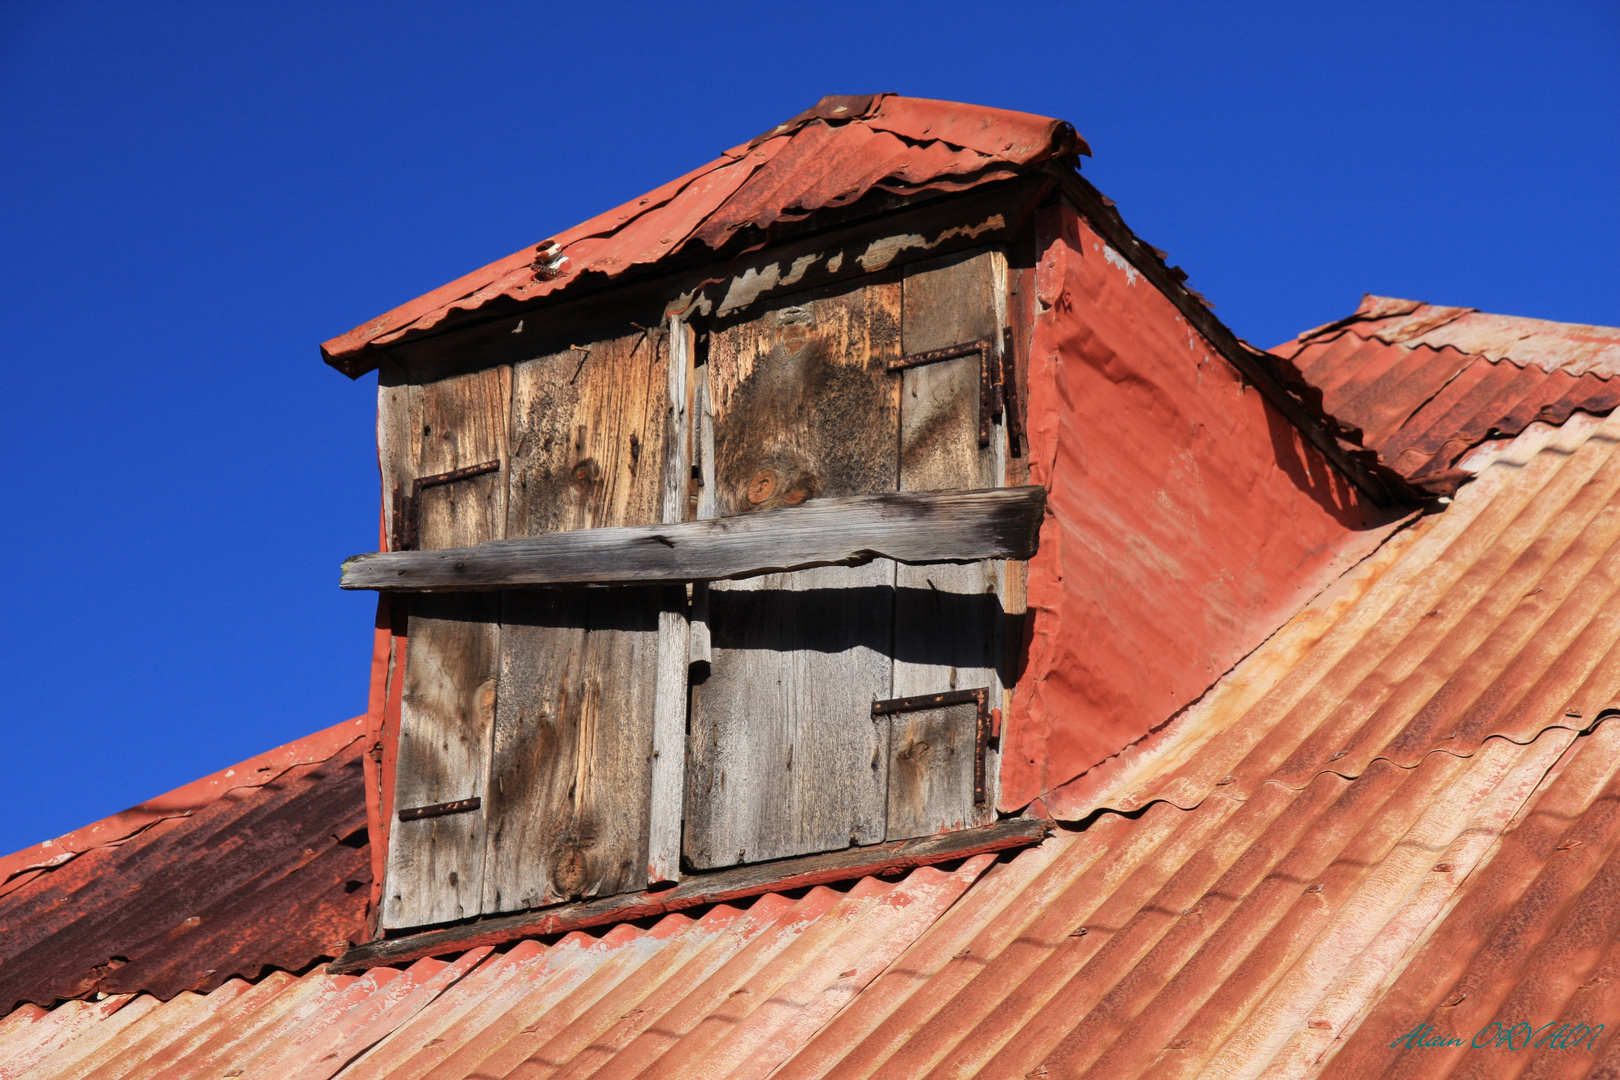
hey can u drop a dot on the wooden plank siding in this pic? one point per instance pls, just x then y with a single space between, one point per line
435 865
948 618
784 758
573 738
621 736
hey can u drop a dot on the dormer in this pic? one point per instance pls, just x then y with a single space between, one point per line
851 491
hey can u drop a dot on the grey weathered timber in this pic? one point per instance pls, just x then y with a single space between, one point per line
567 808
435 865
920 527
704 510
571 761
783 756
697 890
931 762
947 618
674 644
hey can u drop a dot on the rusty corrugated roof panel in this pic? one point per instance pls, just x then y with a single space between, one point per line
1403 809
1377 796
829 156
261 865
731 993
1424 384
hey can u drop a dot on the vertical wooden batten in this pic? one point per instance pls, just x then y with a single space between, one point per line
674 644
784 756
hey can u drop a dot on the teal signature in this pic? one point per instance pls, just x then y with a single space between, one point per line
1519 1036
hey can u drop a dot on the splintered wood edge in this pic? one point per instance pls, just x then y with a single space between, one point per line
913 528
710 888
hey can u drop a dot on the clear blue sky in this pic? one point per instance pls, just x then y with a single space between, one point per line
193 196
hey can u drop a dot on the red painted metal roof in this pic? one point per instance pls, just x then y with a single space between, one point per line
1403 809
261 865
828 156
1424 384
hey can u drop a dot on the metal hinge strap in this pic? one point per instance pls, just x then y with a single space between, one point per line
979 696
989 379
408 508
458 806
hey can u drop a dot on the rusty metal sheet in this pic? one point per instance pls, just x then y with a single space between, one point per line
828 156
1421 385
261 865
1187 519
732 993
1402 810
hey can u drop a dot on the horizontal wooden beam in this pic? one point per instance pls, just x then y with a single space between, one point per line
909 527
713 888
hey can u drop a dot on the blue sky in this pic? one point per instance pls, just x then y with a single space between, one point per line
194 196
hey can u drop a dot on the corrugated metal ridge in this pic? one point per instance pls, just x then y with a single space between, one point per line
975 144
270 876
1578 348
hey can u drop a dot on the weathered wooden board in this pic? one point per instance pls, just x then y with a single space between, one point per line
784 758
572 746
931 758
948 620
927 527
568 805
667 802
435 865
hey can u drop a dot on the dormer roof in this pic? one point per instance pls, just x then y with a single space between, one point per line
828 156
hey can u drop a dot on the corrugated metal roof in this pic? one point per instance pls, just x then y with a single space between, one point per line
828 156
731 993
262 865
1401 810
1424 384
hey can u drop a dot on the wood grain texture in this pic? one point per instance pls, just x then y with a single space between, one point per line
931 771
572 746
398 418
719 887
704 509
435 866
568 805
588 437
948 619
783 757
925 527
667 802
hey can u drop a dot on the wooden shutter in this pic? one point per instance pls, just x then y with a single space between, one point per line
435 859
948 617
574 722
540 704
786 756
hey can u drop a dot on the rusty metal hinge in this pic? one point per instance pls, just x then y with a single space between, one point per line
458 806
979 696
991 376
408 508
1009 395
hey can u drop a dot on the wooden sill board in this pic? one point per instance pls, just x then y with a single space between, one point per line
696 891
